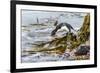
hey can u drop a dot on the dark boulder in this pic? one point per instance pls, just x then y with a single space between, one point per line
83 50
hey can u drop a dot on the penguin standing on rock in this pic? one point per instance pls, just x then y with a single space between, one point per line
62 26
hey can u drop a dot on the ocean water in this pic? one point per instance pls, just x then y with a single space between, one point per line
34 34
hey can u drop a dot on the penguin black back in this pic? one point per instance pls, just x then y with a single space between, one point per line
68 26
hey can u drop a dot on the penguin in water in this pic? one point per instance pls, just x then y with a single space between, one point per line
63 26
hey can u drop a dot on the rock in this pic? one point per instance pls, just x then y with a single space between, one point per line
83 50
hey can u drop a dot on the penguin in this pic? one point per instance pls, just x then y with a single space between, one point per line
62 26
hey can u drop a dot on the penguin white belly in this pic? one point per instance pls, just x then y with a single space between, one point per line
64 28
62 31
